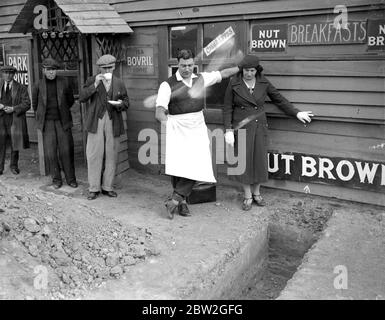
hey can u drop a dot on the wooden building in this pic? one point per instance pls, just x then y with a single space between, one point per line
322 56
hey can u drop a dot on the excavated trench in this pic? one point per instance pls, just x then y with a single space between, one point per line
286 247
262 268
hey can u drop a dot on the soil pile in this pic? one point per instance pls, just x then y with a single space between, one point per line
79 245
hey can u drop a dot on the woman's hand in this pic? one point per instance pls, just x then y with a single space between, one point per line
229 138
304 116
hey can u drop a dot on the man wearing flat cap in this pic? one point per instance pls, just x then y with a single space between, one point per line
107 98
14 103
52 99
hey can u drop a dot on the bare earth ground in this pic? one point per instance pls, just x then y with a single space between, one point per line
126 248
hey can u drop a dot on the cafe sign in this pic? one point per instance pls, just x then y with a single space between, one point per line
325 33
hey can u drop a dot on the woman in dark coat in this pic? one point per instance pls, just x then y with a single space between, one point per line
245 96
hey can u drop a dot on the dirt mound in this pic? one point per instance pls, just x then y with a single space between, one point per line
79 245
307 214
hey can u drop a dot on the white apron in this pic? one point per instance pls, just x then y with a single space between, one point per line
188 147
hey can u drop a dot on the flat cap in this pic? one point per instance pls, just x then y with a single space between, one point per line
50 63
7 68
249 61
106 60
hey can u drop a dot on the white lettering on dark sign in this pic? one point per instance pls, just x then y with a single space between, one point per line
376 35
269 38
353 173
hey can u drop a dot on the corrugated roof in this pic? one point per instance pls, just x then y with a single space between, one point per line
89 16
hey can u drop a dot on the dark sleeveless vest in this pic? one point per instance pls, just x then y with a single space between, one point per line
180 100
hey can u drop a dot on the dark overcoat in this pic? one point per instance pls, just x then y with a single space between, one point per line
240 103
21 104
97 97
65 100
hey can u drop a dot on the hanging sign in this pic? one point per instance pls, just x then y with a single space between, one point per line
376 34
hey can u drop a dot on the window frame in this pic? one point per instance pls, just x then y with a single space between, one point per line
202 62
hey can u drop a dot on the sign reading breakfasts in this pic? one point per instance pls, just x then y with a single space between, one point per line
278 37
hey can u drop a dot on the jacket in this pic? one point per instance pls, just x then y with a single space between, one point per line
97 97
65 99
21 104
238 104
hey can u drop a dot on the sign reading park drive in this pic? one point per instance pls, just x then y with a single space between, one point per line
20 62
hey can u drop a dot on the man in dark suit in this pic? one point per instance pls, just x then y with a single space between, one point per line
14 103
107 98
52 99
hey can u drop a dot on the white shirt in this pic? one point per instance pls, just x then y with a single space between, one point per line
6 84
164 92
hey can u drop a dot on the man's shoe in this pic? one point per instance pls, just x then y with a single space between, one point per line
73 184
1 172
15 170
172 208
183 209
57 185
111 194
92 195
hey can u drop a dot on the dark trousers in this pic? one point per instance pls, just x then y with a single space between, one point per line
182 187
5 137
56 140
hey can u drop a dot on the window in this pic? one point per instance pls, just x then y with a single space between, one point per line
214 45
183 37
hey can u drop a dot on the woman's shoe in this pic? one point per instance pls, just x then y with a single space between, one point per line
259 200
247 204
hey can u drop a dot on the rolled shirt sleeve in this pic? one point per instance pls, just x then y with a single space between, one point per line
164 95
211 78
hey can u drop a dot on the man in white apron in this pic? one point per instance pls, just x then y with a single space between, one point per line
179 105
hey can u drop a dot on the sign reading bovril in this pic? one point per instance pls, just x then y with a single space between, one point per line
140 60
